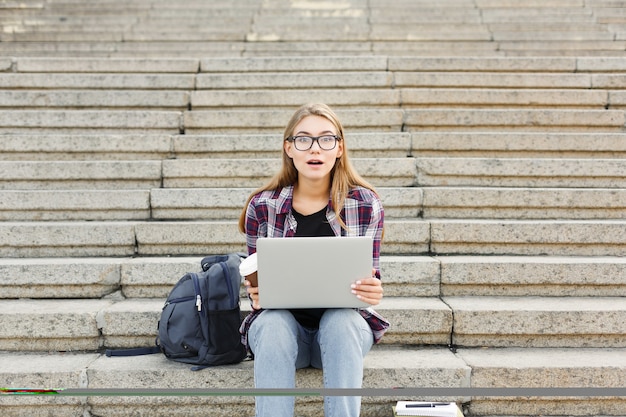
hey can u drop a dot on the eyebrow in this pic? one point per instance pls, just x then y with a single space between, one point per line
326 132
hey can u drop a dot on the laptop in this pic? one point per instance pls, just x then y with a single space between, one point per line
312 272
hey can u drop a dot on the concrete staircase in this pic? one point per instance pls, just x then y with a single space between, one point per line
132 133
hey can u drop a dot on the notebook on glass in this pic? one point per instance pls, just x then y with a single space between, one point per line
312 272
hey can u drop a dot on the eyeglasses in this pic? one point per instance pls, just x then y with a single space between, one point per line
304 143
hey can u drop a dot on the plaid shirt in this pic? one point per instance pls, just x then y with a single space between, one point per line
269 215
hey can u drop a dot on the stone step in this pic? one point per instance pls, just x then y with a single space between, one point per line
523 172
261 121
87 324
360 145
403 276
408 98
532 276
337 98
160 204
514 120
518 49
523 203
174 173
102 66
80 174
411 120
174 122
538 321
226 203
598 35
405 79
518 144
410 367
292 98
117 35
382 172
503 98
402 237
427 202
404 97
560 48
407 64
294 64
540 368
497 79
88 99
55 147
434 366
154 277
96 146
430 31
126 50
539 237
257 49
90 121
295 79
97 81
556 26
505 71
79 238
84 147
179 173
132 26
43 205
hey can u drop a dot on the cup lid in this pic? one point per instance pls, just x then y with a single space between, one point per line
248 265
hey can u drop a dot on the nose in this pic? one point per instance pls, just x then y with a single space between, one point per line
316 142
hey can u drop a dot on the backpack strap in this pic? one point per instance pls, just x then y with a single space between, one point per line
133 351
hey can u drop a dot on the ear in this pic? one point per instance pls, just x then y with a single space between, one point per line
339 148
288 147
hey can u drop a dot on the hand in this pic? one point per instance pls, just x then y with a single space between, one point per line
369 290
253 294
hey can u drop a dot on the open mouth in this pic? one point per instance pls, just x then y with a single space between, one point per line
315 162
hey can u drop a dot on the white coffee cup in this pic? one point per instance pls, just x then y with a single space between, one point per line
248 269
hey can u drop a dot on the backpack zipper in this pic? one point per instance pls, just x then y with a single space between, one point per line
196 286
197 297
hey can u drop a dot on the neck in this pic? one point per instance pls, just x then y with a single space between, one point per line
310 197
312 189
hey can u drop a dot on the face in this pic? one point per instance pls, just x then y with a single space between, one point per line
315 163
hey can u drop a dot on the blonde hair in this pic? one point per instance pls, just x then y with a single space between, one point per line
343 175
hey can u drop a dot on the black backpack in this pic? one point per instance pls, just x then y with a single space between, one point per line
200 320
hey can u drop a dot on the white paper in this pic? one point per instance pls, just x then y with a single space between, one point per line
426 409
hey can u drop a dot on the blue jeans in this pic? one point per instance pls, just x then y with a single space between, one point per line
281 345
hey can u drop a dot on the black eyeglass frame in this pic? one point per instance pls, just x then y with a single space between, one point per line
313 140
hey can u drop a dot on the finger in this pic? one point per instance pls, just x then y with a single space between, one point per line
254 297
372 285
369 281
369 300
371 297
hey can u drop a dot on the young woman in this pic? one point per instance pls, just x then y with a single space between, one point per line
316 193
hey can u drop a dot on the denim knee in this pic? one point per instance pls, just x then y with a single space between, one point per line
274 330
345 329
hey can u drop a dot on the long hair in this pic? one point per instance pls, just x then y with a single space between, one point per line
343 176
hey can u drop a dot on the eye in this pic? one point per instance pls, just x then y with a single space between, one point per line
327 140
304 140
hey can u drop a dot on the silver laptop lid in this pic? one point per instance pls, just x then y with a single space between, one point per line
312 272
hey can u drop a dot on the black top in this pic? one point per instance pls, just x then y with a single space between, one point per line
311 226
